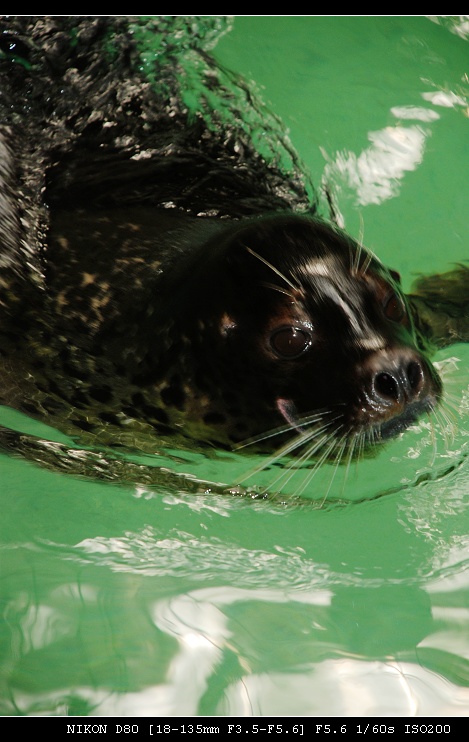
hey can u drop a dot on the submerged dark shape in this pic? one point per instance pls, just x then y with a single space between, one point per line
162 277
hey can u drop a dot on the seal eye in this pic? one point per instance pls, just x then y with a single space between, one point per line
290 342
394 307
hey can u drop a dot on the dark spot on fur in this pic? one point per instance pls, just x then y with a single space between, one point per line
173 396
214 418
156 413
52 405
129 411
242 427
110 417
234 411
230 397
138 399
201 381
80 400
163 428
53 388
120 370
222 446
101 393
149 410
76 372
84 424
143 378
27 407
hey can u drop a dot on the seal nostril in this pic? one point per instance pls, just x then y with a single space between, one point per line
403 384
386 385
414 374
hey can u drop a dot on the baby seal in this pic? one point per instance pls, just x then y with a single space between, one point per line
163 281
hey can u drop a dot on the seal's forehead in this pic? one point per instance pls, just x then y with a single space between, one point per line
327 266
353 262
347 291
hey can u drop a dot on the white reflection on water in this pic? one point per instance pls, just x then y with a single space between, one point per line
375 174
319 647
351 688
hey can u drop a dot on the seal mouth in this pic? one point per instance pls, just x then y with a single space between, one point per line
394 426
375 432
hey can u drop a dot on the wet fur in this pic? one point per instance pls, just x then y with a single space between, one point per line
154 265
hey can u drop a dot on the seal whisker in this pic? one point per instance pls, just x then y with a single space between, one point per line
289 471
433 438
333 211
447 413
351 449
266 436
451 408
280 290
302 422
291 446
361 232
367 262
341 445
326 433
446 421
295 464
362 438
355 256
451 402
285 451
312 473
274 269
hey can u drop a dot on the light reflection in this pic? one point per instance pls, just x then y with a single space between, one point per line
445 99
416 113
457 24
375 174
351 688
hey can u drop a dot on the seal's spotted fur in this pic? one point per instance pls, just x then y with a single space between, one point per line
160 276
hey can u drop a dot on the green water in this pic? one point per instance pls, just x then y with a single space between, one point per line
135 600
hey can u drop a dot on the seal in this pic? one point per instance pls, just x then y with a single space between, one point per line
162 281
274 321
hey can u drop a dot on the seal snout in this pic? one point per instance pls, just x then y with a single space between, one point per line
397 378
399 387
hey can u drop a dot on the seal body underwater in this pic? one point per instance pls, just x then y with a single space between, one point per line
161 278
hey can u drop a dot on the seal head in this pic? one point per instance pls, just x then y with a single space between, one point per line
286 322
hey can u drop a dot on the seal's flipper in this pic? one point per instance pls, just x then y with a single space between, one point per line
440 306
